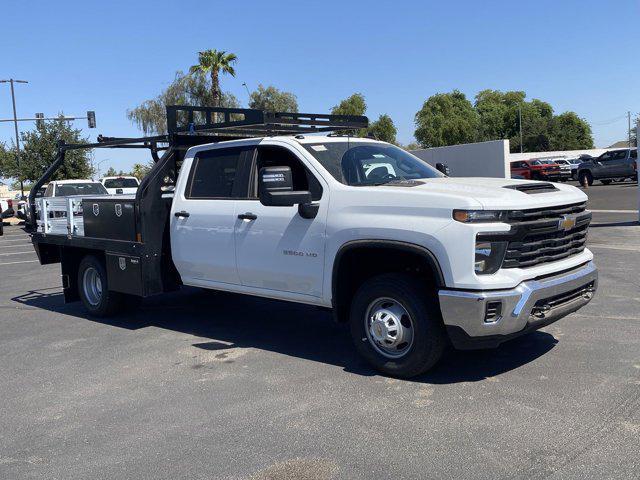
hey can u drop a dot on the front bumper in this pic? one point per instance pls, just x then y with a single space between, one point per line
531 305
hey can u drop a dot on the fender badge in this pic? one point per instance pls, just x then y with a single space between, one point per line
122 262
96 209
118 210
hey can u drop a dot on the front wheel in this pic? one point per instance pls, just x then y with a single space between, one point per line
94 291
586 178
396 325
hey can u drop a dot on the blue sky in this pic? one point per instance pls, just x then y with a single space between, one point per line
110 56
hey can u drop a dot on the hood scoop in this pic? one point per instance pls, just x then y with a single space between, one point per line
531 188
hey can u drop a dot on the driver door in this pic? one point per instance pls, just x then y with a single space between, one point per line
277 249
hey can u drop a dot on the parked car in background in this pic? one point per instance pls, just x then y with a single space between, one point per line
565 169
611 165
573 165
536 170
6 205
120 185
23 213
65 188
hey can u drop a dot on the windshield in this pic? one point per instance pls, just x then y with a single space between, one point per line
121 183
66 189
536 162
367 163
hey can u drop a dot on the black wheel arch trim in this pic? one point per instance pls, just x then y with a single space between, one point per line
424 252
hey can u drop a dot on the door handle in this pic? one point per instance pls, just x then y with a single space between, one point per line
182 214
247 216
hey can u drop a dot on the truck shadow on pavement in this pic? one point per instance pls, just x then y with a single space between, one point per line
235 321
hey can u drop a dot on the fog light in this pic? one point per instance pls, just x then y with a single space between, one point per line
493 312
489 256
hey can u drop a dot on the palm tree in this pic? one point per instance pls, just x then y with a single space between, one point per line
212 62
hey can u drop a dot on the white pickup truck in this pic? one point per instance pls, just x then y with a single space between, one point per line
410 259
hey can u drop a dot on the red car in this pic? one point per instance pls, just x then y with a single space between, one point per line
536 170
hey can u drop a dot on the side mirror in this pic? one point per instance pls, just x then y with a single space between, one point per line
275 188
442 168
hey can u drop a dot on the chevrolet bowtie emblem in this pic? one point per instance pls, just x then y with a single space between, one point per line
567 222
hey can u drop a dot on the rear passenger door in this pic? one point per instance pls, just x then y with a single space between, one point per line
203 216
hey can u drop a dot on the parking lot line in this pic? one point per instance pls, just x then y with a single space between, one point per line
16 253
23 261
614 211
613 247
18 245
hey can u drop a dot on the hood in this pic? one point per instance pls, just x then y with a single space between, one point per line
499 193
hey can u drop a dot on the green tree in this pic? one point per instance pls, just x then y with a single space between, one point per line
446 119
352 105
634 132
111 172
273 100
536 127
499 114
212 62
383 129
497 111
140 170
150 116
570 132
39 149
412 146
5 161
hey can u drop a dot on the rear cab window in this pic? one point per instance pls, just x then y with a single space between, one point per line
121 183
218 174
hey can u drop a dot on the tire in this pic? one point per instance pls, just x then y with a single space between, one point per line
605 182
94 291
585 175
399 300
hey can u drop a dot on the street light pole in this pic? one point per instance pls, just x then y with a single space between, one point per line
520 121
15 124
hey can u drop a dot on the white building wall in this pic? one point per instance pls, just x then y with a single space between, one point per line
484 159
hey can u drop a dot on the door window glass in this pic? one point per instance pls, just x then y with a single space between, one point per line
303 179
213 173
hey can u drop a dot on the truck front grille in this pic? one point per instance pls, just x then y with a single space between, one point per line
542 235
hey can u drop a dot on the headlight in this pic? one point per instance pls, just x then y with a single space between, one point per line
473 216
489 256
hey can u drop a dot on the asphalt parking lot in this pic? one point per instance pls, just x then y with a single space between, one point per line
208 386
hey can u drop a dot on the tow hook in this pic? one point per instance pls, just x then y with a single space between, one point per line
541 311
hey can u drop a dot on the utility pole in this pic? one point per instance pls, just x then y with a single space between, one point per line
629 130
15 124
520 118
